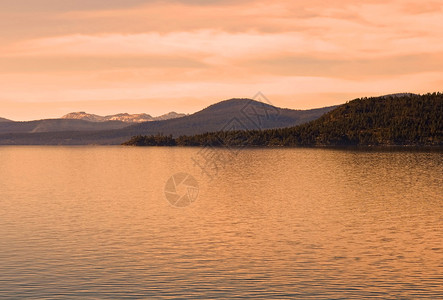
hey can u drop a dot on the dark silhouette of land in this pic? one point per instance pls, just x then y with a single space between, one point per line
233 114
400 119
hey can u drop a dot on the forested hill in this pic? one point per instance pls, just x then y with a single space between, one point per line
389 120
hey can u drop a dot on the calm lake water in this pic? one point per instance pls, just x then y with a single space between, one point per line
94 222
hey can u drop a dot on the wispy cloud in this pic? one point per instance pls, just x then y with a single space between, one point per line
79 50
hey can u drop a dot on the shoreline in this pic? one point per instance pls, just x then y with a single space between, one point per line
436 148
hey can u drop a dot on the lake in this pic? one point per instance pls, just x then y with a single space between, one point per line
106 222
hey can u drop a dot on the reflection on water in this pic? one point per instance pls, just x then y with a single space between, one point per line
283 223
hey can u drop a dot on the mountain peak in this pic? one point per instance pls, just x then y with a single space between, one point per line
81 115
237 104
122 117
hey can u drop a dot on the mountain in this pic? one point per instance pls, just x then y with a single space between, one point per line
84 116
408 119
57 125
79 121
124 117
227 115
168 116
390 120
127 118
230 115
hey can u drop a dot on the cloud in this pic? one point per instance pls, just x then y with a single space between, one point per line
52 50
48 64
66 5
353 69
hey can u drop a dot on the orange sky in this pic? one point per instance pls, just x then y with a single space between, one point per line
110 56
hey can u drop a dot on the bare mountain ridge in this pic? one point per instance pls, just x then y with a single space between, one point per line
123 117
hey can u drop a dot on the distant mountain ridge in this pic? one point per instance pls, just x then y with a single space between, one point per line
226 115
57 125
79 122
123 117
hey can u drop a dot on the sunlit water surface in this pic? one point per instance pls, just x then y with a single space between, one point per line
94 222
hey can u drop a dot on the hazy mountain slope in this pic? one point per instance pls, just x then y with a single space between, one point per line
225 115
55 125
415 120
4 120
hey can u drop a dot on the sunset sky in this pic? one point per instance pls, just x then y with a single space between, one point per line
111 56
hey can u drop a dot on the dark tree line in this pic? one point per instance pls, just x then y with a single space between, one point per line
151 140
390 120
